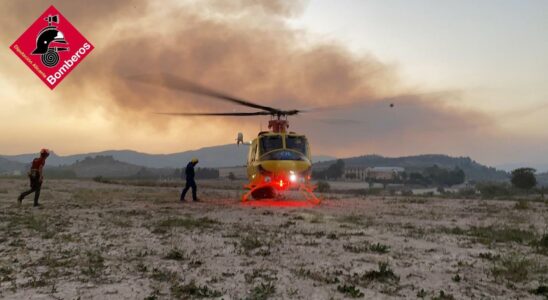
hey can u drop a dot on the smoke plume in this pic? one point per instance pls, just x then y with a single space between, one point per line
245 48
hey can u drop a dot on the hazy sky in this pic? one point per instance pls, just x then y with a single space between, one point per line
467 77
495 51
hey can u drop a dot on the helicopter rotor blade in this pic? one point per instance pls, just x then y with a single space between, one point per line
240 114
292 112
176 83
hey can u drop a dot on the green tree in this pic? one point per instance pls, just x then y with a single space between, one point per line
334 171
524 178
455 176
418 178
444 177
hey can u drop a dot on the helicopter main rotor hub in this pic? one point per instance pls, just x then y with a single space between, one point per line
278 125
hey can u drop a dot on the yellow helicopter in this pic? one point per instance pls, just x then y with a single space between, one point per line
278 160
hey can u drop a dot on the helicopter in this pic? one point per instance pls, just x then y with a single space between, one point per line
278 159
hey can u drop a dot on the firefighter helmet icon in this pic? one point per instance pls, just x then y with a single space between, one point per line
47 40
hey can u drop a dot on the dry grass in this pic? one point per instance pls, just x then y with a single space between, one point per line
97 240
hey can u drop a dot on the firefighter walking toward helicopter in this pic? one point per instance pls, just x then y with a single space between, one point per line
36 176
190 183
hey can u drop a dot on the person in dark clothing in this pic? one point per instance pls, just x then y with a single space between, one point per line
190 183
36 176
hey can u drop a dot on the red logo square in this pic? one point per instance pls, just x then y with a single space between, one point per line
51 47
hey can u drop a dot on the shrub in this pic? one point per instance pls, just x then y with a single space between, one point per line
262 291
175 254
350 291
249 243
324 187
443 296
384 274
512 267
542 290
521 204
193 290
492 190
379 248
467 192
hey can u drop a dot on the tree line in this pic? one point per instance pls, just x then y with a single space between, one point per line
433 175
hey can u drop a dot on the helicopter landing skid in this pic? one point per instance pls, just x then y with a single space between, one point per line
306 190
308 193
252 190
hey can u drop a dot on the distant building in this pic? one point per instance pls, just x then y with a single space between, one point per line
373 173
359 174
384 173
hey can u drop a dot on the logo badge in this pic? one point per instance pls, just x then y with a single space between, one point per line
51 47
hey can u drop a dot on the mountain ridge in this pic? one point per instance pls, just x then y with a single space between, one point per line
231 155
211 157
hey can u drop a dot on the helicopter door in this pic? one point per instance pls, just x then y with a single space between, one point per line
252 156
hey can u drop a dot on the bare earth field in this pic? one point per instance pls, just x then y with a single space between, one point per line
106 241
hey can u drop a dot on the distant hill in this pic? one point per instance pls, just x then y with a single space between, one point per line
8 166
105 166
124 163
472 169
210 157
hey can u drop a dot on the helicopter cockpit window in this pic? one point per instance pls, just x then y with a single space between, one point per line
252 152
270 143
297 143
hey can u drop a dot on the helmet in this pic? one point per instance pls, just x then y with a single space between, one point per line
44 152
46 37
194 160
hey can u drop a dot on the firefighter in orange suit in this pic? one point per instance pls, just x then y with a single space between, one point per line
36 176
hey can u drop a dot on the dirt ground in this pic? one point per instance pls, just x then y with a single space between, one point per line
105 241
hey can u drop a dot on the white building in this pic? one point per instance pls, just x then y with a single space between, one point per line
373 173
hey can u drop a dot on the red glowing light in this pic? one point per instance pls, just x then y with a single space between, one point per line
278 203
281 183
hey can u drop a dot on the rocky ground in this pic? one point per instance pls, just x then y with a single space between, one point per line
95 240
